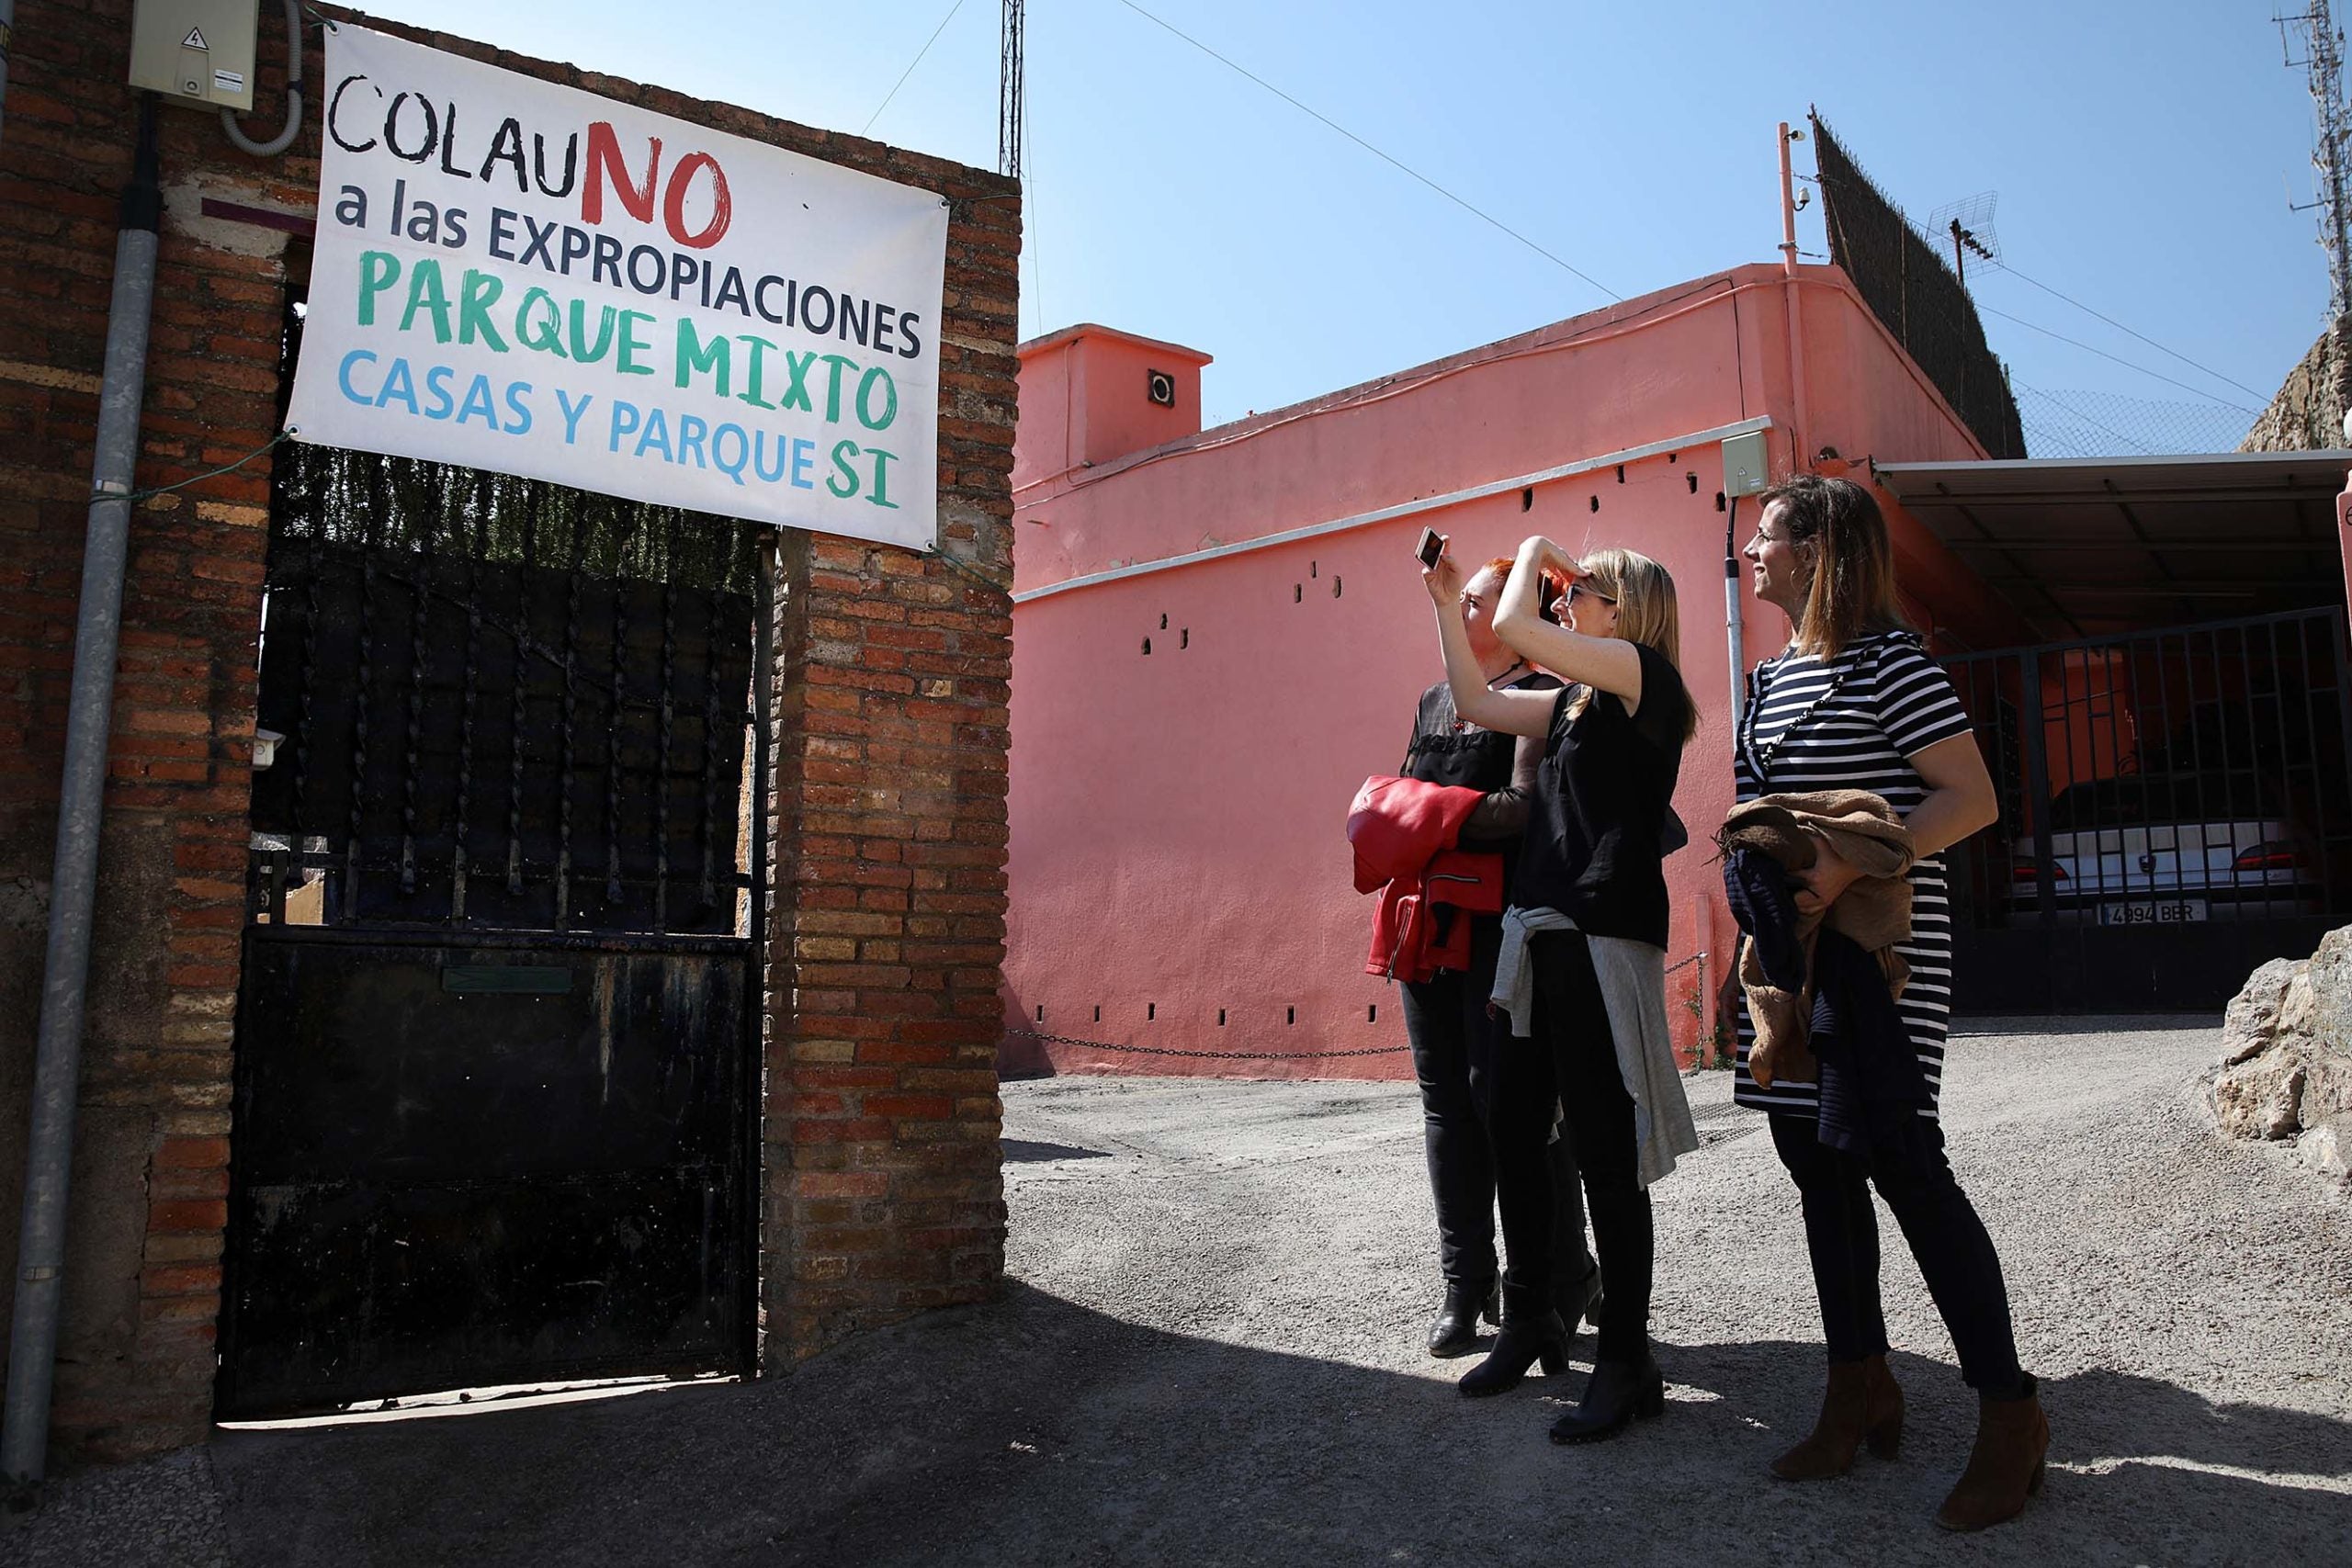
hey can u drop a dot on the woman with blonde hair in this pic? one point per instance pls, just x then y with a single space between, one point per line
1855 703
1452 1030
1581 974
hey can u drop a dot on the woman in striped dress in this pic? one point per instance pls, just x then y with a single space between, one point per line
1856 702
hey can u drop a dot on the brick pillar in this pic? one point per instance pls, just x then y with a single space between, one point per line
884 1185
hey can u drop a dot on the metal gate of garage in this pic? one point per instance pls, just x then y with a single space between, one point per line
2175 810
494 1112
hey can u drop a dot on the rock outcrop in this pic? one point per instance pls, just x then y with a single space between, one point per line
2286 1069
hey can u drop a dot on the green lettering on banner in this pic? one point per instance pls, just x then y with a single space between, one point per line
544 334
842 452
481 291
379 270
755 349
630 343
889 409
581 348
695 354
834 392
426 292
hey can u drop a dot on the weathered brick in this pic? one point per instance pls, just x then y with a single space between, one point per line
884 826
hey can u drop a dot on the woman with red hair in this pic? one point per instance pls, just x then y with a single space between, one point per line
1446 1017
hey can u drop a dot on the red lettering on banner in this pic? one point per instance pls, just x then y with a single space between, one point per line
605 160
608 163
674 208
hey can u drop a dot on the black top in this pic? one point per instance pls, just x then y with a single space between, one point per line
1446 749
1597 834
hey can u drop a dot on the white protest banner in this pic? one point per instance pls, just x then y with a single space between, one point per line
528 278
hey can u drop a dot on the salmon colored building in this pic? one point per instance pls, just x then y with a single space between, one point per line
1218 633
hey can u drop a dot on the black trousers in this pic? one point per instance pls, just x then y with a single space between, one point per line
1954 1252
1455 1044
1571 1059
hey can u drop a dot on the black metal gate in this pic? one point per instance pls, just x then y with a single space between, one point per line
2175 810
495 1077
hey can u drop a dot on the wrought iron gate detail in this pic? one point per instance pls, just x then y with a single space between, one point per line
495 1087
2175 810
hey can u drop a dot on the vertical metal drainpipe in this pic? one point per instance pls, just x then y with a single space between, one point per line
40 1248
1734 634
8 40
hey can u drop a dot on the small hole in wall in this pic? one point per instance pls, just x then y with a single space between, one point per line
1147 645
1671 459
1719 500
1694 482
1527 498
1150 1011
1335 587
1041 1012
1372 1013
1163 620
1220 1018
1098 1012
1596 504
1298 594
1290 1015
1184 637
1314 569
1621 473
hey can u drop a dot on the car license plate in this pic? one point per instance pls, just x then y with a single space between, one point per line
2152 912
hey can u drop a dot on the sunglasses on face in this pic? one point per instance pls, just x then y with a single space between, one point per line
1578 591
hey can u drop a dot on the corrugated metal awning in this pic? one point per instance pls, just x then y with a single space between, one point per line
2089 545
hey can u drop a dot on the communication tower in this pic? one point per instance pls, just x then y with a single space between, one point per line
2322 63
1009 84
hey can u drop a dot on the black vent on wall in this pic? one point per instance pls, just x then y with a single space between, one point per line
1162 388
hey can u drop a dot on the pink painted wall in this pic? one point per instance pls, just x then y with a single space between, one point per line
1177 814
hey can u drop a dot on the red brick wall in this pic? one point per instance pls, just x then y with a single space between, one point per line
887 820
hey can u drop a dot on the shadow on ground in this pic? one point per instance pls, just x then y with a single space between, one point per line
1035 1431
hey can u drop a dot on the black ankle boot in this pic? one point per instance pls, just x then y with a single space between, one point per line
1526 1339
1619 1392
1581 1301
1454 1331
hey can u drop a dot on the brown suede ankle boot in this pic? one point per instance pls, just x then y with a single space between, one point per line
1862 1403
2004 1468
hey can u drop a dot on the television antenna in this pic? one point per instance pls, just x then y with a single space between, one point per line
1968 224
2323 64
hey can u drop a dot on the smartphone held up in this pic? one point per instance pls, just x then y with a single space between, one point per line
1431 547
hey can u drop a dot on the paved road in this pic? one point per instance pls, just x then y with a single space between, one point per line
1209 1354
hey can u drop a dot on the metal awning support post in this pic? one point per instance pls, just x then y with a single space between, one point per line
57 1071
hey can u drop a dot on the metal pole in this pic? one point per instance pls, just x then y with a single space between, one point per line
49 1157
7 38
1734 633
1798 420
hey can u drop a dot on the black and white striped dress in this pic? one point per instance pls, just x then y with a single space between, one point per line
1850 724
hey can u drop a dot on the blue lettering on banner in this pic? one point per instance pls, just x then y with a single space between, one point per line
443 402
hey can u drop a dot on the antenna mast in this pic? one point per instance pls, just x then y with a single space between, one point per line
1008 86
2323 66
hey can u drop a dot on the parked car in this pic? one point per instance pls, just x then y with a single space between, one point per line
2169 849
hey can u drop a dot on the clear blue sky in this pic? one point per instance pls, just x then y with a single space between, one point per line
2143 156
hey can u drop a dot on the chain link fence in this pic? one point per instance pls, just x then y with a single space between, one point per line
1908 282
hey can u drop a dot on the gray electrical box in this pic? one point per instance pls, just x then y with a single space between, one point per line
198 53
1746 465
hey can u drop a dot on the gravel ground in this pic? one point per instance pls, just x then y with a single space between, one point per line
1209 1353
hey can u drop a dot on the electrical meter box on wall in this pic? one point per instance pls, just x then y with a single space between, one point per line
1745 469
198 53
